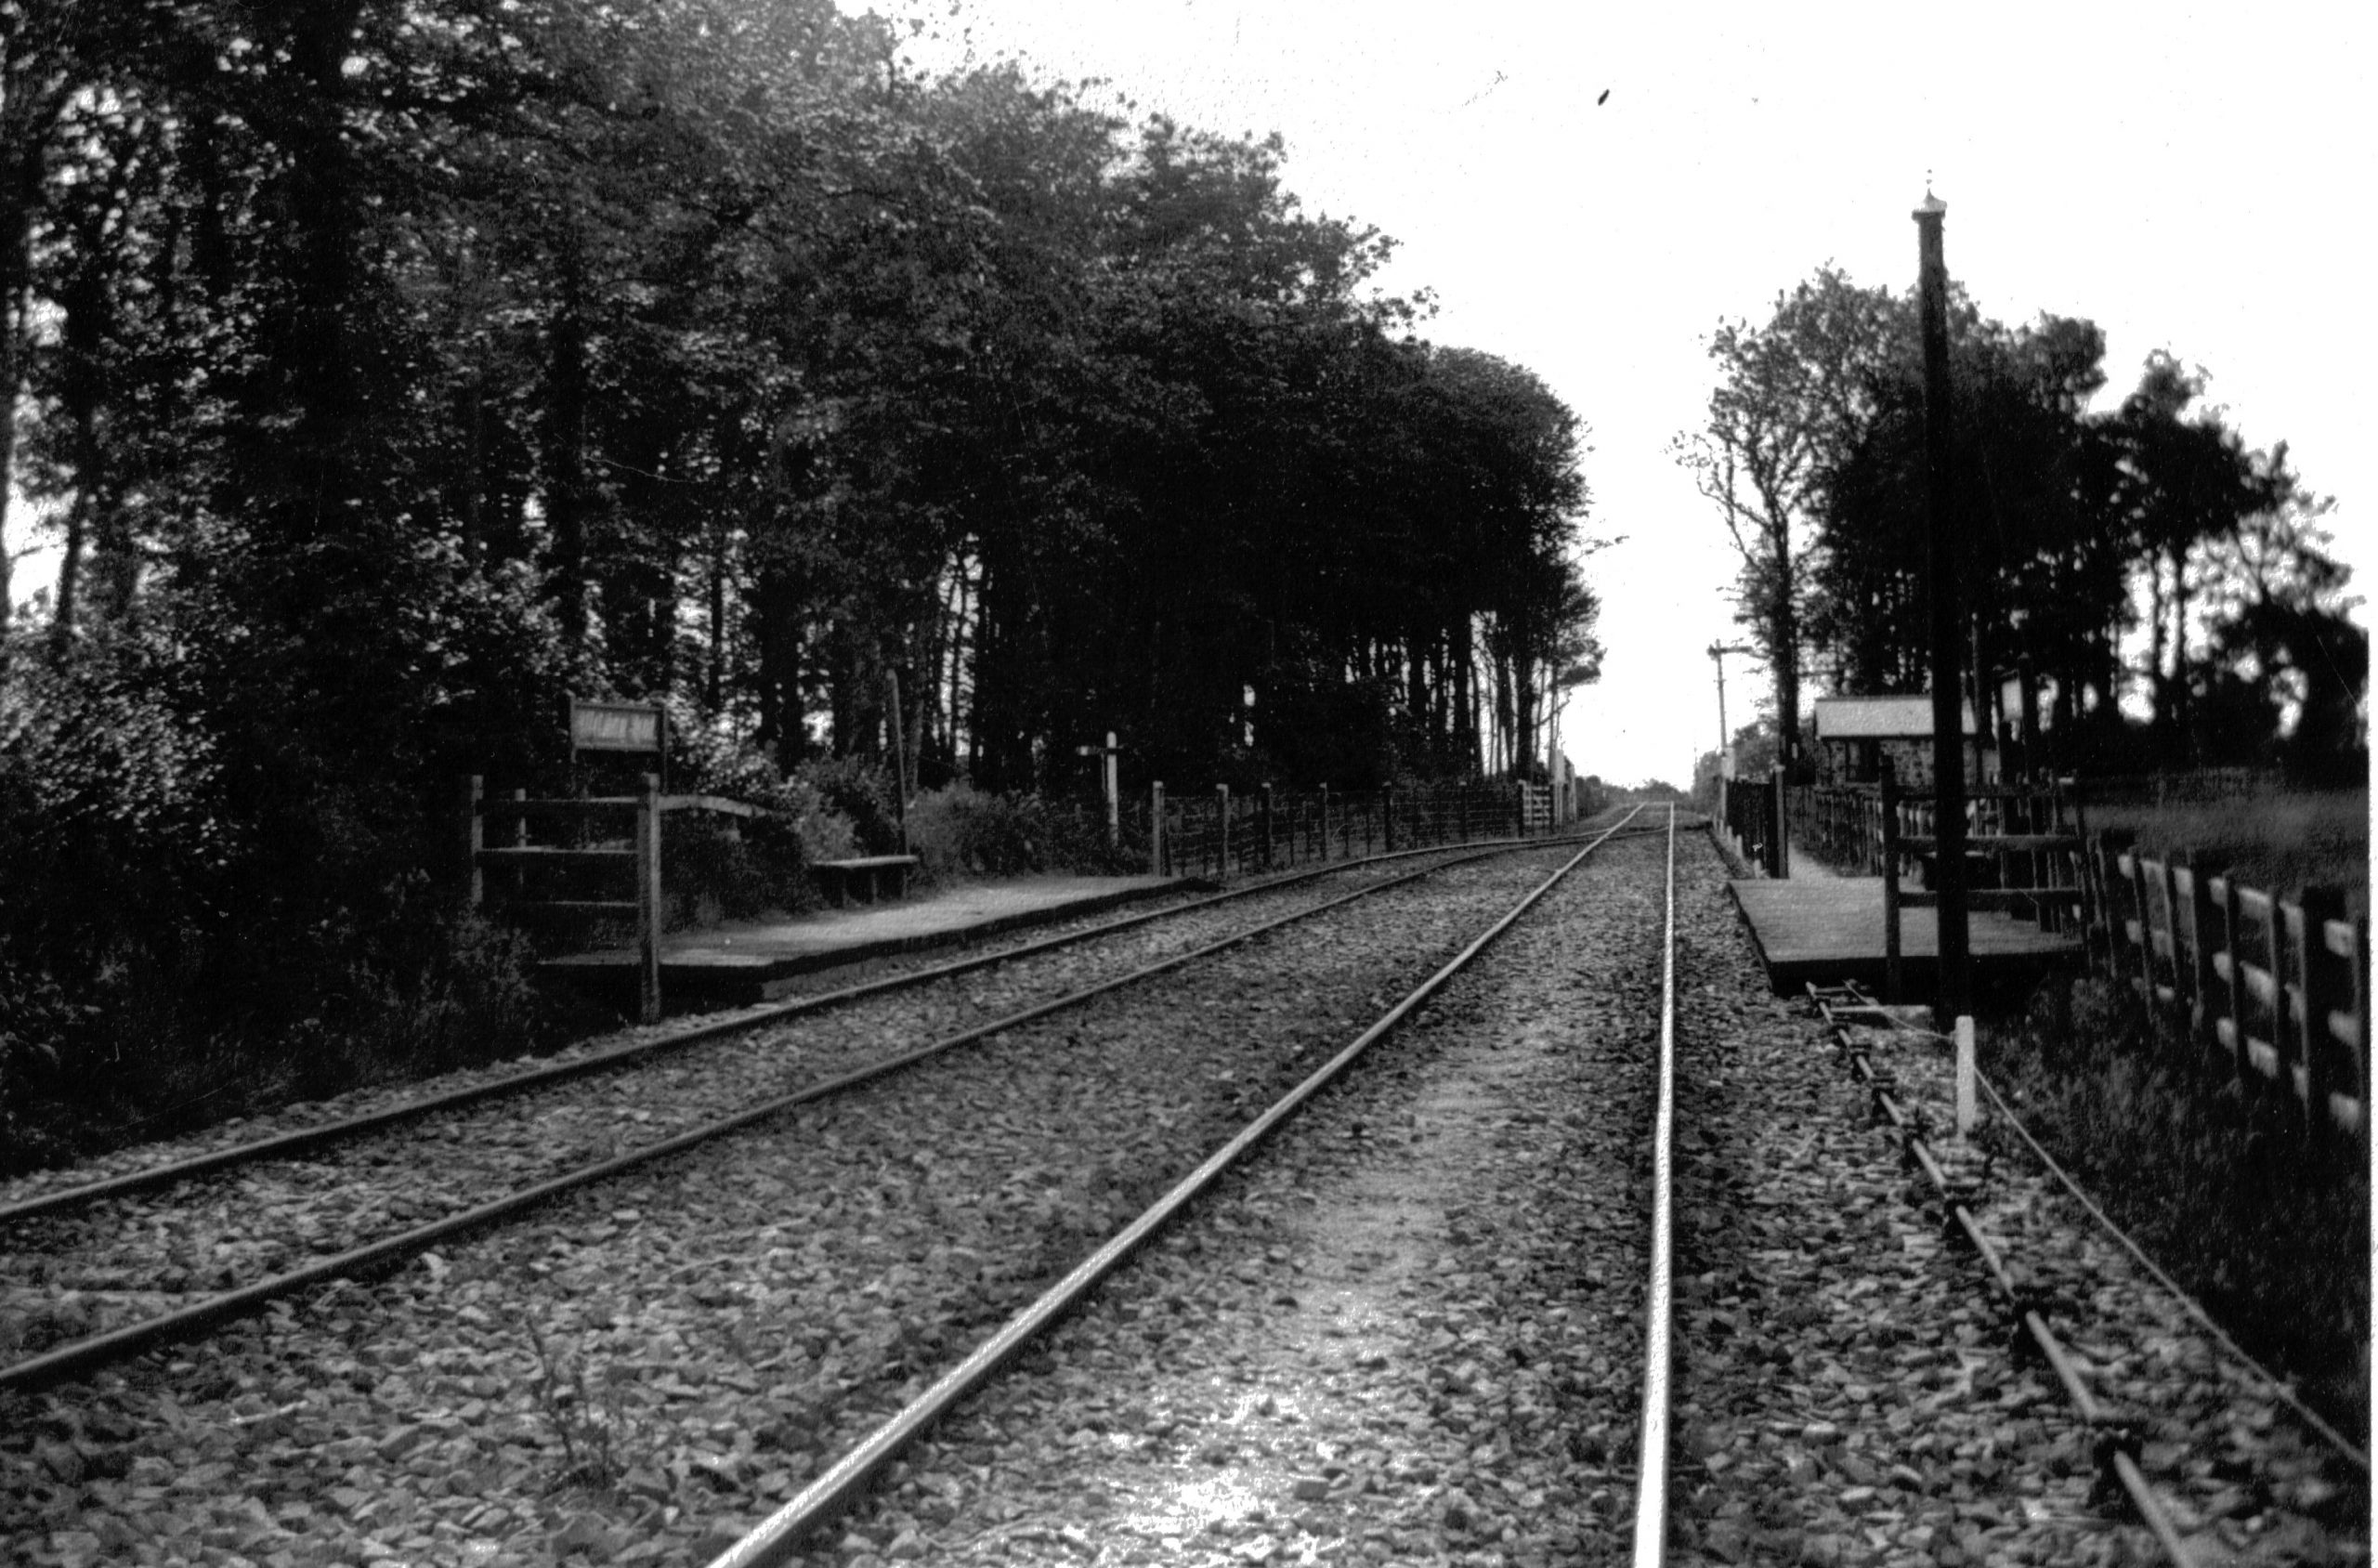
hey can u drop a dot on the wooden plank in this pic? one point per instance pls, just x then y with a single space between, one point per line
572 906
579 806
718 803
532 853
1833 930
1997 843
1999 898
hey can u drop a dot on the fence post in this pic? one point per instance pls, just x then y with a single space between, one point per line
2203 979
1221 832
1325 822
1156 829
1266 814
1387 817
2231 912
648 899
1892 979
1780 853
2315 907
474 788
2132 867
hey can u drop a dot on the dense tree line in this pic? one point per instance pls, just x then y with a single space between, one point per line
2078 529
386 370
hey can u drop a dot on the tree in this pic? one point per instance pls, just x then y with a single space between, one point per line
1791 396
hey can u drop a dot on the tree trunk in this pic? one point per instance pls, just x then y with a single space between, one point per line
566 407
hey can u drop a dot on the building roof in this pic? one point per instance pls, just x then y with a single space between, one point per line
1880 718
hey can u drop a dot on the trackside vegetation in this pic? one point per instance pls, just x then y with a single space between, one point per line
379 373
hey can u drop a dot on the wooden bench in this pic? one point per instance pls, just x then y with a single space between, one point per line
863 878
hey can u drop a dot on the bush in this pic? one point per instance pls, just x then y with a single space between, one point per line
959 831
861 793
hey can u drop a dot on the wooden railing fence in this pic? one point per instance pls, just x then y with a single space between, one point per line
543 880
2272 990
1223 834
1756 811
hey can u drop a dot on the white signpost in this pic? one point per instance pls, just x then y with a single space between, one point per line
1113 786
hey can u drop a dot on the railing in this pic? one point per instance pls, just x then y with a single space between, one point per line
1754 813
2274 990
2269 990
1220 834
2023 854
544 880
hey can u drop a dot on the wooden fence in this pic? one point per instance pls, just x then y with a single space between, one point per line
545 878
1220 834
2272 990
1755 811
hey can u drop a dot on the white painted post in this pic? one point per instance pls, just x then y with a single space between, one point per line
1114 795
1967 1113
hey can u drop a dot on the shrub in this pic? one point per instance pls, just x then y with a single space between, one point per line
861 793
959 832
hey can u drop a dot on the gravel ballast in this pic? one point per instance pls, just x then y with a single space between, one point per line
140 1254
1408 1330
704 1331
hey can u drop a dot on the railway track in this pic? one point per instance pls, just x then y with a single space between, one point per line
864 1464
1410 1322
151 1260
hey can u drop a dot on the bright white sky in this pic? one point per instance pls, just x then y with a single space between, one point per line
2189 177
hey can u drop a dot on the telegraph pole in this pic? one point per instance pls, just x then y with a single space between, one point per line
1948 729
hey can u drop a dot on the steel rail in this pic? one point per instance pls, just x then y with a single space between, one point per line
2116 1444
79 1356
1652 1462
818 1504
299 1140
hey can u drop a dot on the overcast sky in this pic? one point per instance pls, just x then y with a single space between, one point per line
2189 177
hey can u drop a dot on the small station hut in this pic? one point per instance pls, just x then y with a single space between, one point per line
1854 734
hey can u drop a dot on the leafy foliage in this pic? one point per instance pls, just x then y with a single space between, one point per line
2074 529
390 372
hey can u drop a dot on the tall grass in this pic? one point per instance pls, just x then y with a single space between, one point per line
2278 843
2273 1237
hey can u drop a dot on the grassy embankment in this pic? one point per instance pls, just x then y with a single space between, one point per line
2272 1237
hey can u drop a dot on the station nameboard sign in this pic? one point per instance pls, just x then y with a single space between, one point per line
615 727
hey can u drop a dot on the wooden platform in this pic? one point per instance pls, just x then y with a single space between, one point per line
1831 931
757 961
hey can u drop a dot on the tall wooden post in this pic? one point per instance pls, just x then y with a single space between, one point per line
1156 829
1325 822
474 837
1893 986
1779 842
899 754
1954 999
1387 817
1221 830
648 899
